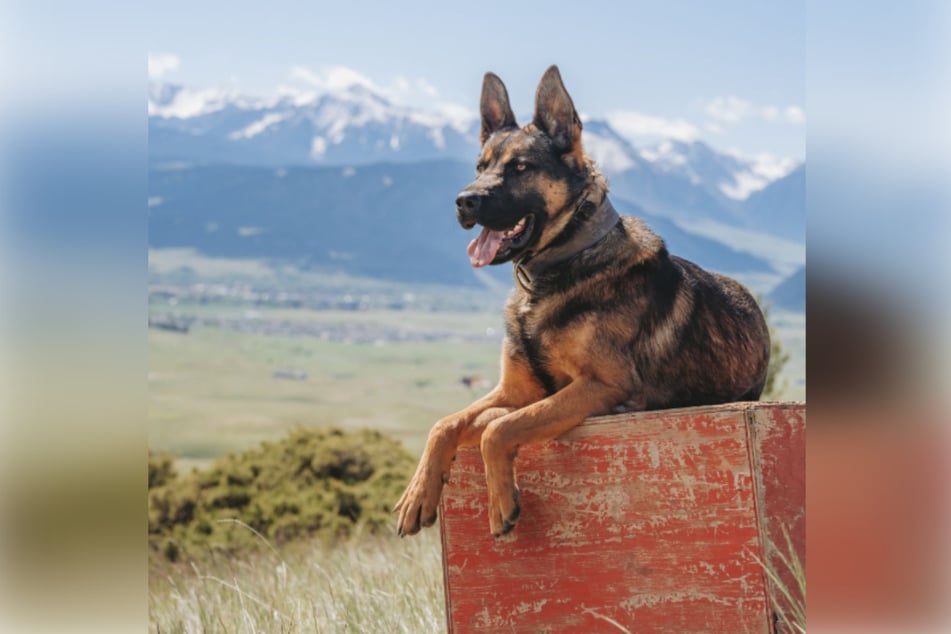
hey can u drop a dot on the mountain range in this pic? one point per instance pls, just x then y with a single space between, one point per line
346 179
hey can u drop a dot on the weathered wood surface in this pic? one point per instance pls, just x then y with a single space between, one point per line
654 522
778 450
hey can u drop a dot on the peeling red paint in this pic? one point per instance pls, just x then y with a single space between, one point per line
645 520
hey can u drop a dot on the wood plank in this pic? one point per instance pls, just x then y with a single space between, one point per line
646 521
778 450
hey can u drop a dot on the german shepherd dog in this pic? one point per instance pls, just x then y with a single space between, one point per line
602 316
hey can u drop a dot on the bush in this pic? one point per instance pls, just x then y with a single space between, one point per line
161 470
778 357
314 483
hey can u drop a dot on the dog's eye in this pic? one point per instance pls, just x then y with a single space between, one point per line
521 166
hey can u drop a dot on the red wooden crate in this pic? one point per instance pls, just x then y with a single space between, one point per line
654 522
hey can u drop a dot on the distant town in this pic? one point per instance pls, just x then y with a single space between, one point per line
241 308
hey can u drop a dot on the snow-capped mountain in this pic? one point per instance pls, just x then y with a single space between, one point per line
728 174
613 153
720 208
355 124
352 125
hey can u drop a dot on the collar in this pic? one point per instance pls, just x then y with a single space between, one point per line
601 221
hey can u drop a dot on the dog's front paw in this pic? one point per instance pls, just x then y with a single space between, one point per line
504 509
417 505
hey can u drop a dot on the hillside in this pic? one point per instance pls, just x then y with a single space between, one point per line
352 125
780 208
390 220
790 294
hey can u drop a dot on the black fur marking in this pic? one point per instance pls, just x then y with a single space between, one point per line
666 282
573 309
580 307
535 358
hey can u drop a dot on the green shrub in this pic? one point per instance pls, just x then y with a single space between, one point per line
161 470
778 357
314 483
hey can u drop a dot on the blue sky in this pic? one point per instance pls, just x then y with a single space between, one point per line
730 73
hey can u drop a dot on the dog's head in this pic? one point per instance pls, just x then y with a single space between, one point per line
530 178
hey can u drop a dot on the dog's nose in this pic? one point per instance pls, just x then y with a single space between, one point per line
467 204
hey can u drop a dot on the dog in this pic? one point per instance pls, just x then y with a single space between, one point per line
602 315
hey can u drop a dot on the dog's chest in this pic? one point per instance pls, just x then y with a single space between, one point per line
547 342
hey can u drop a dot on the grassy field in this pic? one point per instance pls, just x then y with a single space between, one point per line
213 391
366 585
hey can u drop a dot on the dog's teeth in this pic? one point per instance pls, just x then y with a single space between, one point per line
516 229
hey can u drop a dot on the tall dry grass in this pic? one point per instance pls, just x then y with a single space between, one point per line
366 585
787 566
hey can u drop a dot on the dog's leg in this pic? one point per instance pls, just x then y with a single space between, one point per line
417 505
537 422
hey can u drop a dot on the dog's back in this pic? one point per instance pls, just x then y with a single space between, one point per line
722 353
691 337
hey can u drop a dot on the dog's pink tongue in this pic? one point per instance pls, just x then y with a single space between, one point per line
482 250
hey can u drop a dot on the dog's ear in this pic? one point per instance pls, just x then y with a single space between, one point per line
555 114
494 106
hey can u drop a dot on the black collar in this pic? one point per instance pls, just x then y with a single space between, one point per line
600 222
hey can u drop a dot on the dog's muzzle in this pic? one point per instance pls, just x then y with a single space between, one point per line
468 204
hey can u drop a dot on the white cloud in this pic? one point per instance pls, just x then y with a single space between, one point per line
401 86
770 113
459 117
640 126
161 64
794 114
733 109
729 109
426 88
332 78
